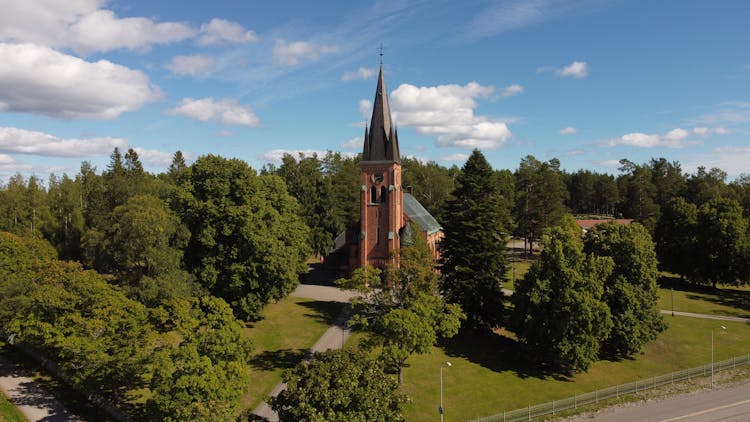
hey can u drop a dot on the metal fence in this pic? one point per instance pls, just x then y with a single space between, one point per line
574 402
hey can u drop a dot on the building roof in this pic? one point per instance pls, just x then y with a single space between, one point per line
381 141
418 214
587 224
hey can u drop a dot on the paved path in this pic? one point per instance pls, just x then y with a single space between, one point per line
730 403
32 400
705 316
333 338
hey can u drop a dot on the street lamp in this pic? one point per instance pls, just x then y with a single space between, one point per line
441 409
712 354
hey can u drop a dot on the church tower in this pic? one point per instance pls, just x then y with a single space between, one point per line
381 196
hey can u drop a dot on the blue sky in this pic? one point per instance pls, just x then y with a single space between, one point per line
588 82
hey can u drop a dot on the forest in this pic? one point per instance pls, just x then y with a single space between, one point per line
131 280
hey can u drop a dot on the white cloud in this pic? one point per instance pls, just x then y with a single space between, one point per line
568 131
447 112
226 111
675 138
37 79
361 73
220 31
610 163
292 53
6 159
225 133
575 70
21 141
365 108
83 26
511 90
354 143
154 157
9 164
507 16
458 158
727 113
732 159
196 65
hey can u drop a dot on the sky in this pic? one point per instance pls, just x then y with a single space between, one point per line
588 82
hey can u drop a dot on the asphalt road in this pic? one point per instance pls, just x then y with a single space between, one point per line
727 404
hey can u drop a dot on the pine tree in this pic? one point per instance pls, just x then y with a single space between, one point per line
473 261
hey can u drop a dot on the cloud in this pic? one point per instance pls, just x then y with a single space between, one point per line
732 159
361 73
84 26
675 138
354 143
575 70
196 65
226 111
292 53
447 112
220 31
727 113
20 141
37 79
9 164
568 131
277 154
155 157
365 108
458 158
511 90
610 163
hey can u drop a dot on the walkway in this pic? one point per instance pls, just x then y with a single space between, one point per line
333 338
32 400
705 316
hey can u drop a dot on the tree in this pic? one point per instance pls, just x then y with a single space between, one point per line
344 176
638 193
473 261
559 313
429 182
723 239
203 377
248 244
339 386
675 236
403 313
630 290
540 195
704 186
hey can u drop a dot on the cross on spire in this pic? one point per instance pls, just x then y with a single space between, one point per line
380 53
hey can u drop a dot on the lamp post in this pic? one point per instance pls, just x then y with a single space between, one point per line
441 409
712 354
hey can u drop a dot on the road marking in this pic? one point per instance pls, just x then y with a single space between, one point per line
702 412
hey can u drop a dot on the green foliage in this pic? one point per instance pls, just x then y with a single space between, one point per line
676 237
430 183
540 195
559 313
630 291
473 261
339 386
248 244
722 233
203 377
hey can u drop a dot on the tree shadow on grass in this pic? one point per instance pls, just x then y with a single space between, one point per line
727 296
322 311
277 359
499 354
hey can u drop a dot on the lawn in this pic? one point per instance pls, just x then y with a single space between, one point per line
9 412
730 301
516 270
280 341
488 377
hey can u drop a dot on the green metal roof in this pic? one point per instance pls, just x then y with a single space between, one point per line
418 214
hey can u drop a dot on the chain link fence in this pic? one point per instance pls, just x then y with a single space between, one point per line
555 406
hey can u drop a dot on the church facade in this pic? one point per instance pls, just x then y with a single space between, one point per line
389 217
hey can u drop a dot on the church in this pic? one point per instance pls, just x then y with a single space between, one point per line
389 217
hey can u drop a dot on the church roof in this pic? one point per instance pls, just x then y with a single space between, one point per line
381 141
418 214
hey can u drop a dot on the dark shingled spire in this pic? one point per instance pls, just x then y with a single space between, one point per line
381 144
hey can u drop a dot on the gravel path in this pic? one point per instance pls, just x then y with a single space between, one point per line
32 400
704 316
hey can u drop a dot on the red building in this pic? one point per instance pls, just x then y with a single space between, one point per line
389 217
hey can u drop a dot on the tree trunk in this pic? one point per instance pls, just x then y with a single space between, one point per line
400 373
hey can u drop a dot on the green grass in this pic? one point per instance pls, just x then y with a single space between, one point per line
521 267
730 301
9 412
281 340
488 377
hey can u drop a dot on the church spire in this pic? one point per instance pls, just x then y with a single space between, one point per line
382 142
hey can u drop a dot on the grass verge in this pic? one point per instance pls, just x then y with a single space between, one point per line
488 374
730 301
282 339
8 411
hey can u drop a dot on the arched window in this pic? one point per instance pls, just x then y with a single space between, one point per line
383 194
373 194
